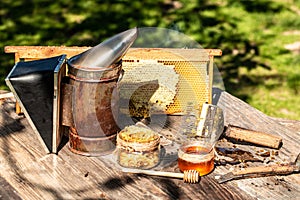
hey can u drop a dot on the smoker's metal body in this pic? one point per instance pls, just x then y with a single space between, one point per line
94 105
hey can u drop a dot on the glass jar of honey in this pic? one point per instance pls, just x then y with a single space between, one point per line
138 147
195 155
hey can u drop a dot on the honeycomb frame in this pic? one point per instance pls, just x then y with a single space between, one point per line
195 70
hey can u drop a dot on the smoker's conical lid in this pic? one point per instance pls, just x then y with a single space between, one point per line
106 53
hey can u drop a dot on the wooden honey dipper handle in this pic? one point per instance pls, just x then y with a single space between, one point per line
189 176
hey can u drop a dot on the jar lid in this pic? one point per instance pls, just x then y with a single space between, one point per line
138 138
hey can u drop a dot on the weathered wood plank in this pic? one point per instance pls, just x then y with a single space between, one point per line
7 191
290 124
70 176
35 175
241 114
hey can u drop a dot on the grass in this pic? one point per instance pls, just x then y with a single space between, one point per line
276 93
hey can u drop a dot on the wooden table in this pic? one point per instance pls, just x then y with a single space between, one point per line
29 173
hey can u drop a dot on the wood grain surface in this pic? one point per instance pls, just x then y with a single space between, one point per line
34 175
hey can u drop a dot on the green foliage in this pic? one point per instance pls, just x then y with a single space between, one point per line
250 34
294 83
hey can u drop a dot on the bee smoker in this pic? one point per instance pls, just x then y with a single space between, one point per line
94 109
87 103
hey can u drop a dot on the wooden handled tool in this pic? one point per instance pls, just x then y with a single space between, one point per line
189 176
261 170
251 136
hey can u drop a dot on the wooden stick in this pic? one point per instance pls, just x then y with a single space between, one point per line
253 172
275 169
211 76
154 173
189 176
251 136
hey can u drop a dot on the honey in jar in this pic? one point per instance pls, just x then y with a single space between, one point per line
195 156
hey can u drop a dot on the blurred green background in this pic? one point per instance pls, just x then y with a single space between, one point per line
260 62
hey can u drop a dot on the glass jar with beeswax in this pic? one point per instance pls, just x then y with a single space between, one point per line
138 147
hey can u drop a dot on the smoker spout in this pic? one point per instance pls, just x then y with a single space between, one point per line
106 53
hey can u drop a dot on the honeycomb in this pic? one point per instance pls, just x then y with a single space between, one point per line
181 76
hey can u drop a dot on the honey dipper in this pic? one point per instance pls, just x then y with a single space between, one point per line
188 176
